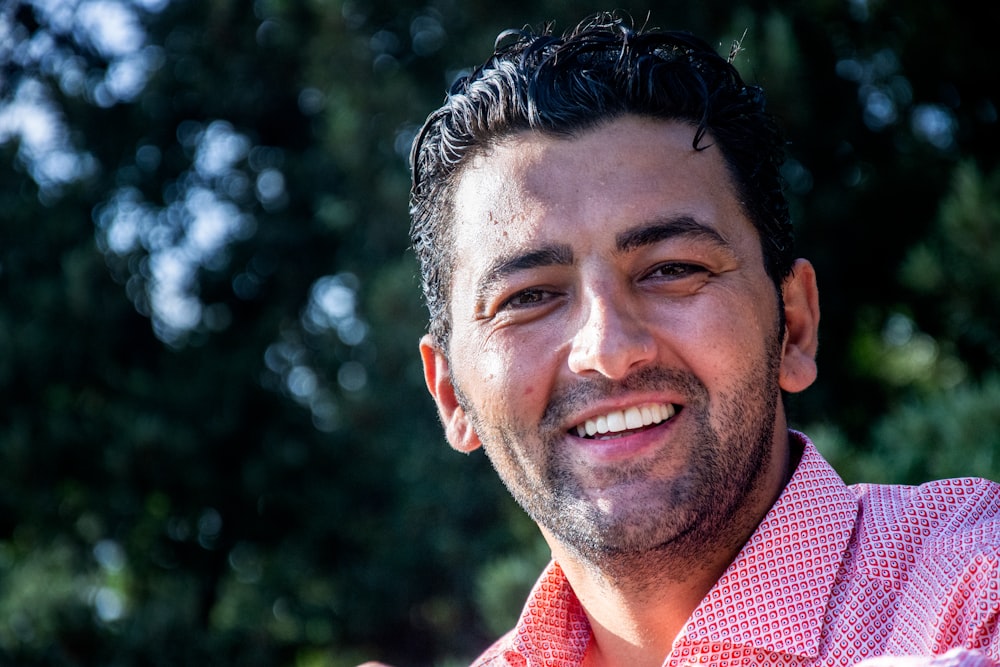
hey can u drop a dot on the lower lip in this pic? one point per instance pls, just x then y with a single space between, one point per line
628 446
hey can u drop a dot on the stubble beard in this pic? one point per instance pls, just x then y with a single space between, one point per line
680 518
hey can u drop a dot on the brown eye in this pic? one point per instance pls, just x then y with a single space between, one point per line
528 297
676 270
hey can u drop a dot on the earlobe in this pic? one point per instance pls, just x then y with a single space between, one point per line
437 374
801 299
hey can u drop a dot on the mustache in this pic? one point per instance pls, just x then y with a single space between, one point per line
647 379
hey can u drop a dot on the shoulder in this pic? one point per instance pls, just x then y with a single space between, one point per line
937 548
949 523
939 509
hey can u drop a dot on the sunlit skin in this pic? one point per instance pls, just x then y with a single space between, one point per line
612 270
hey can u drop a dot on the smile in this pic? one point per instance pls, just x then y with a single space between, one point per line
615 423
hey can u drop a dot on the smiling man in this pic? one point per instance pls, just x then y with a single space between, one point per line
615 314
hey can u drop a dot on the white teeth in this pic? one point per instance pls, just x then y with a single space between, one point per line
626 420
601 424
646 414
616 421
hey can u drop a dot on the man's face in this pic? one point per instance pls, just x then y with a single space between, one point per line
615 345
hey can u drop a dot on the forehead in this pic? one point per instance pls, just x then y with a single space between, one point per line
581 190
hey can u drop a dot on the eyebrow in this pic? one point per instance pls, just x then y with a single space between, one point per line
663 230
549 255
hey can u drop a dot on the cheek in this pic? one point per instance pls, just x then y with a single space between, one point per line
513 378
718 339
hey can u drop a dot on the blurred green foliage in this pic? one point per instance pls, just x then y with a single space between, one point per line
216 447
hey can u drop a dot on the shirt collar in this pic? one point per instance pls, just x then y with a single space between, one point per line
553 623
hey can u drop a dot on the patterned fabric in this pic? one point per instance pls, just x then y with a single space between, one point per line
834 575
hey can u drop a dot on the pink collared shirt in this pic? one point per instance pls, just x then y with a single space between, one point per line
832 576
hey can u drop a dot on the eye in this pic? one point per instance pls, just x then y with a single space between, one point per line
676 270
526 298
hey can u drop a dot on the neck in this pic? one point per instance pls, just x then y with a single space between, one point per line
639 605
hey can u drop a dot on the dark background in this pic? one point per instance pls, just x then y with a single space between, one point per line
215 444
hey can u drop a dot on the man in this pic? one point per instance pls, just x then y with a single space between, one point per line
615 314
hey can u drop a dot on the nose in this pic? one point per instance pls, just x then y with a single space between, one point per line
612 341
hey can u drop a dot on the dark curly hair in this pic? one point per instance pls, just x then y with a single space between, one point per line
602 69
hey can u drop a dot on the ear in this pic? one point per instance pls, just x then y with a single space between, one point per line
437 374
798 354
